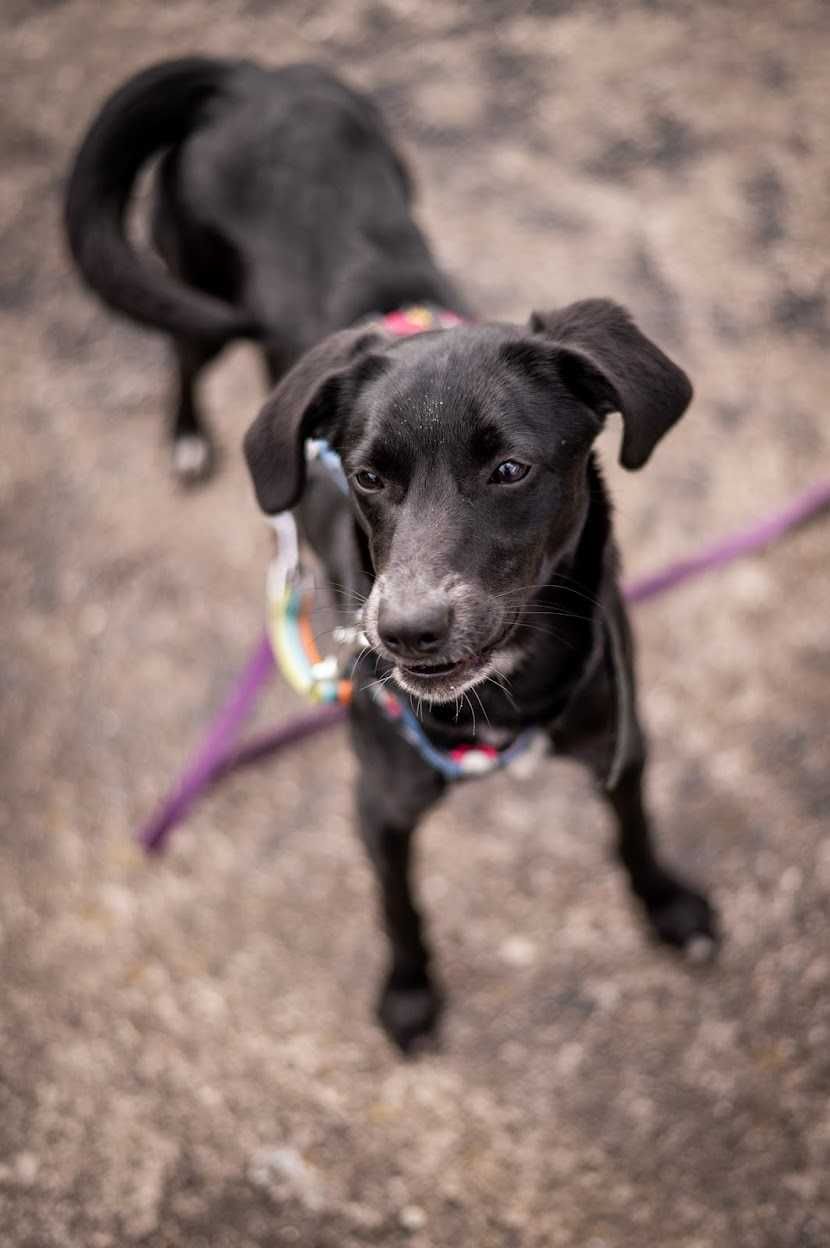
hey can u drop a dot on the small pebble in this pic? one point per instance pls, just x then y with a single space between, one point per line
518 951
412 1218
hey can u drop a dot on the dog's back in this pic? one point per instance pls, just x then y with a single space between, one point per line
281 195
282 212
297 171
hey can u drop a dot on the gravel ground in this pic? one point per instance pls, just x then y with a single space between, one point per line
186 1052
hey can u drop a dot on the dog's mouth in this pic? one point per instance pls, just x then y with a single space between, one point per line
457 671
432 671
442 682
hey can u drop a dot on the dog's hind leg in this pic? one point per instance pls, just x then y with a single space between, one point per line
395 789
192 448
204 260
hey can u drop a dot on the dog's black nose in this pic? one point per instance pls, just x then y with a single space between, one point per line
414 630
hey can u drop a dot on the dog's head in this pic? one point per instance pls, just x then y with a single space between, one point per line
466 455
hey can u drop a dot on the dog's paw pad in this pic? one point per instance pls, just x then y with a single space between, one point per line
192 459
686 921
409 1015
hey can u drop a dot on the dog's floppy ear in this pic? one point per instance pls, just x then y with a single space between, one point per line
306 402
611 367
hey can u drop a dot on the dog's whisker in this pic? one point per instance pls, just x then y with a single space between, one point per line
491 679
578 592
481 704
550 632
358 659
381 680
565 615
333 604
325 632
348 591
574 588
472 709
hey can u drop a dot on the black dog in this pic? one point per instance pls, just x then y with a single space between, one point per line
483 532
478 525
281 210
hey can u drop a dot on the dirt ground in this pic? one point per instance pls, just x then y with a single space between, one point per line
186 1050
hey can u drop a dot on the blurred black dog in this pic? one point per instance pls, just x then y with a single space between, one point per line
281 211
477 523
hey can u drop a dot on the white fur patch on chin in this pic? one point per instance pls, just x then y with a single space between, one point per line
191 457
438 690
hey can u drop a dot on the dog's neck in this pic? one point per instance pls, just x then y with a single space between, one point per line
392 286
550 653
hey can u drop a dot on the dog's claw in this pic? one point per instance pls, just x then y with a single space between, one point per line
409 1015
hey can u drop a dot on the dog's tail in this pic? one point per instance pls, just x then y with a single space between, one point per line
157 108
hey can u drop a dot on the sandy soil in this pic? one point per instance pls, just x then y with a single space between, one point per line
186 1050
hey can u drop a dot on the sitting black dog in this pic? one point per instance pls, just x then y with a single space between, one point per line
483 532
477 523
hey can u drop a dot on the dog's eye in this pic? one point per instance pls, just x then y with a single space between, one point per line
367 482
509 473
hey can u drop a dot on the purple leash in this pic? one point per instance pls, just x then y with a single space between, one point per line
209 757
765 531
217 756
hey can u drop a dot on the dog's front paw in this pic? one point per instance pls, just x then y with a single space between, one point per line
409 1013
684 919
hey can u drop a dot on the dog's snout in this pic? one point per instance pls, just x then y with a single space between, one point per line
414 629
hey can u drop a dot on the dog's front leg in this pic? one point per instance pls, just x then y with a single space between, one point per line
678 915
605 721
409 1002
395 789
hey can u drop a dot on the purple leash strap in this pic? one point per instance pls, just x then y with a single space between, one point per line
768 530
217 756
213 751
